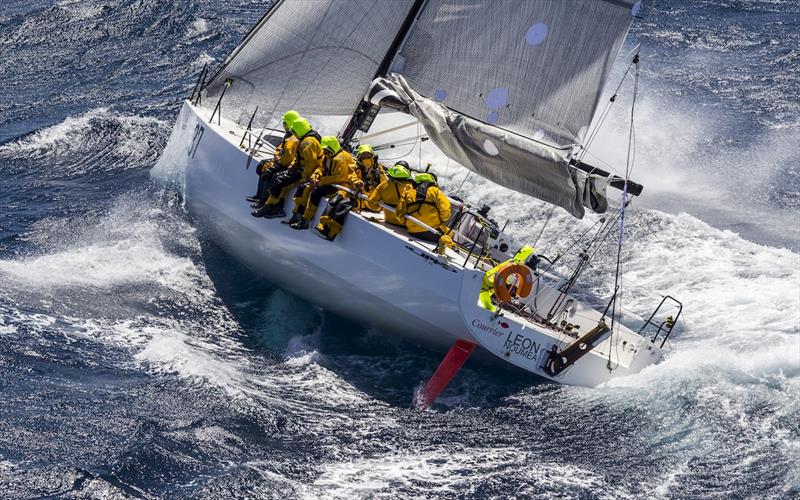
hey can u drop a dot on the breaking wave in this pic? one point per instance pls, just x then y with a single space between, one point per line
113 140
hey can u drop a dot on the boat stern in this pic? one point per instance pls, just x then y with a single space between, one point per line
587 360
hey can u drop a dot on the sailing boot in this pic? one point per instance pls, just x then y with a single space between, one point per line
296 217
276 213
300 225
327 229
321 230
253 199
265 211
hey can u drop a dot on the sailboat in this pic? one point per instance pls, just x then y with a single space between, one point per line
508 90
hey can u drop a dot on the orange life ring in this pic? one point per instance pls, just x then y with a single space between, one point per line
524 286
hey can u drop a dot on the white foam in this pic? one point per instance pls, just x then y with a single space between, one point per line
452 472
98 132
80 9
101 266
198 27
170 351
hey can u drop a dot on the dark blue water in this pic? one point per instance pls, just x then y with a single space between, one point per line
138 360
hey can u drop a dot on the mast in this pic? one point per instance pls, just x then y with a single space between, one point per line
360 113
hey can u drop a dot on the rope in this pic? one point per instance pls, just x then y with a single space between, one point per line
547 221
607 109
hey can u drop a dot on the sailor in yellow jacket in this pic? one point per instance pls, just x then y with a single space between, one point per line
284 155
487 286
368 173
364 177
336 168
428 204
308 160
390 192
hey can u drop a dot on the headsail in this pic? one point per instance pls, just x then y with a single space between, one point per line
316 57
508 88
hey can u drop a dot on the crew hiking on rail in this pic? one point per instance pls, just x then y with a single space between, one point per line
313 166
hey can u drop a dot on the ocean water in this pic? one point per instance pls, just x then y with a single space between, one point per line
138 360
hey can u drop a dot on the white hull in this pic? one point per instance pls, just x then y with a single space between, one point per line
371 273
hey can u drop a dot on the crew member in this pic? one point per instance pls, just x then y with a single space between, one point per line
487 286
390 191
366 175
336 167
427 203
308 160
283 157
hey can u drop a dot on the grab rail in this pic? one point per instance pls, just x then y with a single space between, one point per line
391 209
667 325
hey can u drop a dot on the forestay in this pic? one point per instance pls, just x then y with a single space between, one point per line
316 57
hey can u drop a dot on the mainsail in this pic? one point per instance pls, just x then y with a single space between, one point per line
316 57
534 67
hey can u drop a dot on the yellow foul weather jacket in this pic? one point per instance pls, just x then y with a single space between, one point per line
286 152
284 155
309 156
334 170
390 192
358 182
431 207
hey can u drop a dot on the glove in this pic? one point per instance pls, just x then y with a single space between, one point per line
444 242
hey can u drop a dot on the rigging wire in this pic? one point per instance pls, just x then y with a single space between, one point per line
458 191
419 134
617 299
547 221
607 109
410 151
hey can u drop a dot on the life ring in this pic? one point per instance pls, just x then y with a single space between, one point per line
523 287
